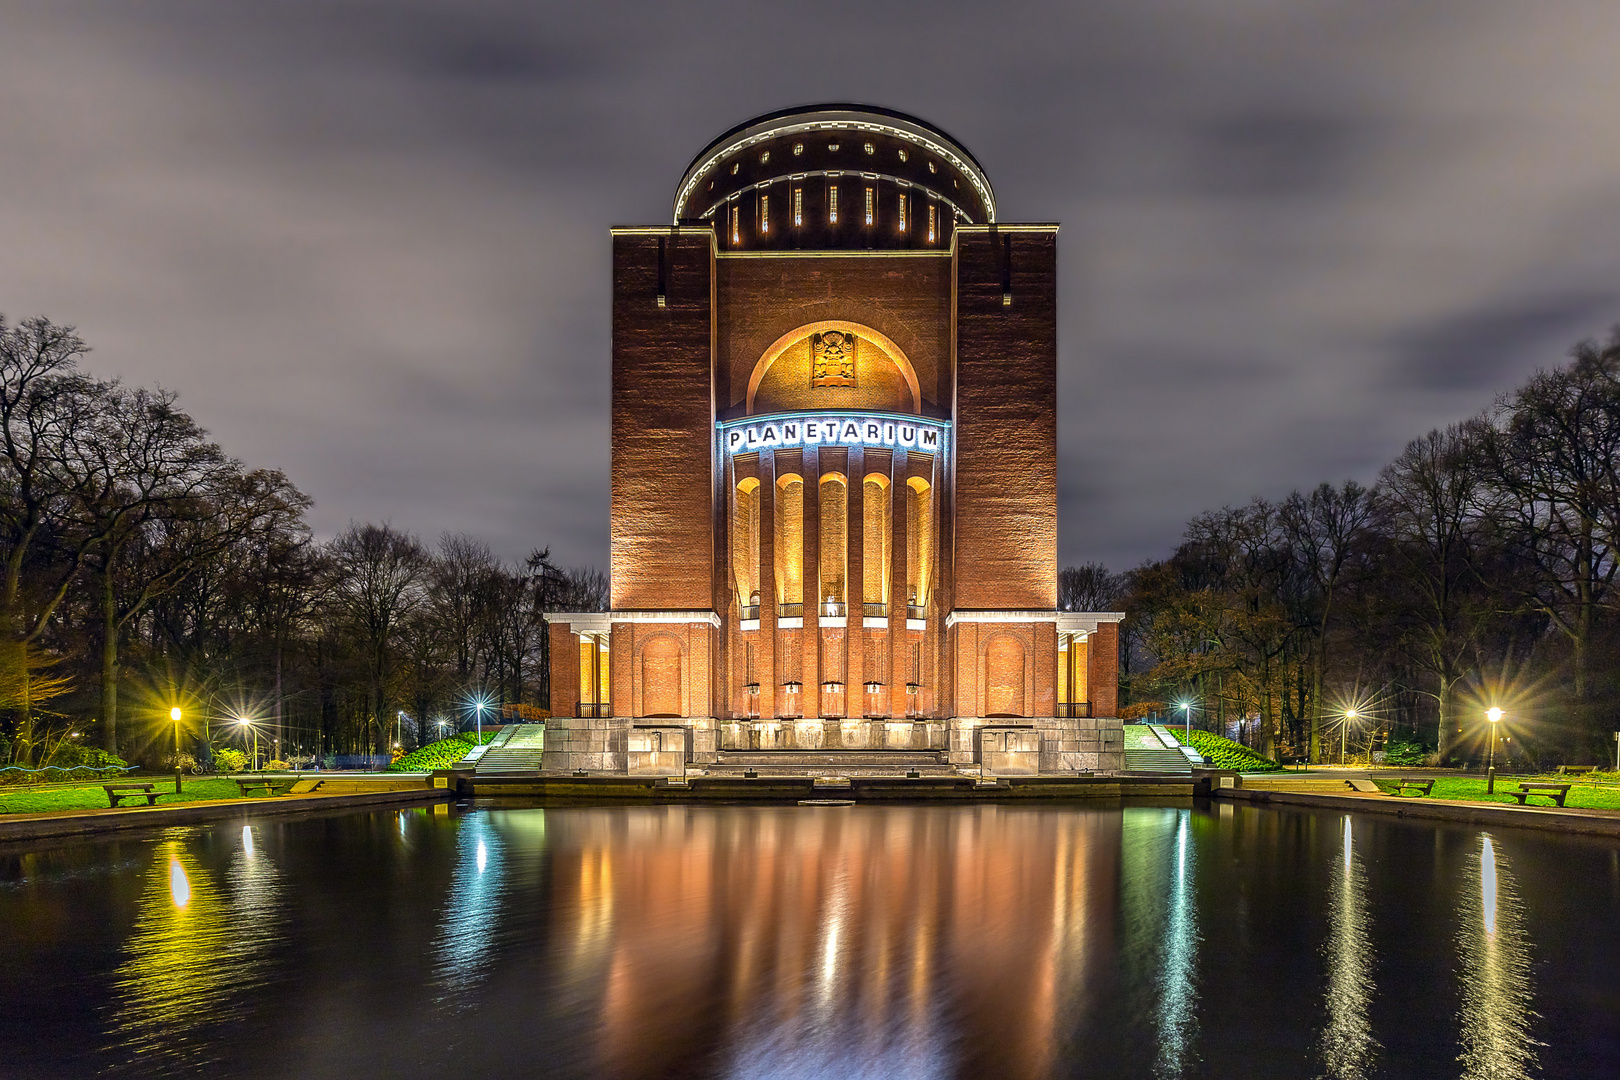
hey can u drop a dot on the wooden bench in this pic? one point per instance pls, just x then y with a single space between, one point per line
1572 770
118 792
1422 787
269 784
1555 792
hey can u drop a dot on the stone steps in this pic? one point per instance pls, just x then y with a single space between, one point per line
517 750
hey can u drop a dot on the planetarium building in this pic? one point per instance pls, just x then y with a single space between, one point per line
834 505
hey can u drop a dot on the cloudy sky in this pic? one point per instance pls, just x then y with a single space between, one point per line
367 242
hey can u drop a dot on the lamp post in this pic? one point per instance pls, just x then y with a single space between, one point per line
1494 715
1186 716
174 714
478 709
245 722
1344 732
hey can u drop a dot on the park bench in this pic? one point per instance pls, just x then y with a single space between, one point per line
1366 787
1422 787
269 784
118 792
1555 792
1571 770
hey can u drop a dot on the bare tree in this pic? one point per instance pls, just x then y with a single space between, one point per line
379 576
1090 587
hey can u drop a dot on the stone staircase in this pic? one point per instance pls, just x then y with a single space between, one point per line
514 752
1151 748
832 763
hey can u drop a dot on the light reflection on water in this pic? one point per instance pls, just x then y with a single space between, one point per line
783 942
472 912
196 950
1495 974
1347 1042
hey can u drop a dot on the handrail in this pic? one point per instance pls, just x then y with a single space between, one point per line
68 768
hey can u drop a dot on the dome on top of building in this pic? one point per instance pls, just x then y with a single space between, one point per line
835 176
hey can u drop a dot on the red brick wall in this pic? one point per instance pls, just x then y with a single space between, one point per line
1103 670
1006 665
1006 420
662 520
564 669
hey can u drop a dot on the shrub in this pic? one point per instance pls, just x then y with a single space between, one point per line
276 765
1141 710
1223 753
229 760
1404 754
440 755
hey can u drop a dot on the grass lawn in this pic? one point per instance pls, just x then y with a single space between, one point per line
53 797
1582 796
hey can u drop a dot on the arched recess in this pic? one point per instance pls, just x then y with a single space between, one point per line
919 540
876 542
789 541
1004 664
834 540
745 541
793 337
661 676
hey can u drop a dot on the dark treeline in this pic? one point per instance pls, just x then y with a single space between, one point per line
1479 570
144 569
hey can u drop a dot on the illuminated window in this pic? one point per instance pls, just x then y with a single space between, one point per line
765 157
832 203
798 148
832 146
902 155
933 221
870 149
870 197
736 224
798 206
932 167
734 166
764 214
902 211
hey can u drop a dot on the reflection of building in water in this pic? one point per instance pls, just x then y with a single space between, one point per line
834 512
1347 1042
837 940
195 951
1495 975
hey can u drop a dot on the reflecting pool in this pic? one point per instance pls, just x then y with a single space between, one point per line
1175 940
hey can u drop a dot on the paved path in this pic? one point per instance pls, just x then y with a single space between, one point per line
1550 818
93 820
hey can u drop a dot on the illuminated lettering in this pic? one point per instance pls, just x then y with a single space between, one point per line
835 430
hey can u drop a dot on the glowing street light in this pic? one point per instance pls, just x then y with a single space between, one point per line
1186 717
1344 731
174 714
1494 715
248 723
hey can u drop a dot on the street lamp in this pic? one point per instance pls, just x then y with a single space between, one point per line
1494 715
174 714
1344 732
245 722
1186 716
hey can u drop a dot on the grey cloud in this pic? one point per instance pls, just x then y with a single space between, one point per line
368 242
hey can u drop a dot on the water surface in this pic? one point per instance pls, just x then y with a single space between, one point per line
1047 941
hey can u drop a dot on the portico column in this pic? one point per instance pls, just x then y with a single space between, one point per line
855 586
810 636
899 649
765 651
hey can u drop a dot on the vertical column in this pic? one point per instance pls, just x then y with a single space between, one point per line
899 587
855 586
564 678
810 636
1102 676
765 650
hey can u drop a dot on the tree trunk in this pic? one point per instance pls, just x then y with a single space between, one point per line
109 664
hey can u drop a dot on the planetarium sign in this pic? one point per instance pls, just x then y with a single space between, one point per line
834 429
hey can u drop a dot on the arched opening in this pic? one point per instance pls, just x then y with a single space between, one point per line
789 546
834 364
875 547
834 542
745 545
1004 676
919 544
661 677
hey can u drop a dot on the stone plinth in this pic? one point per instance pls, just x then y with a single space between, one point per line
656 750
